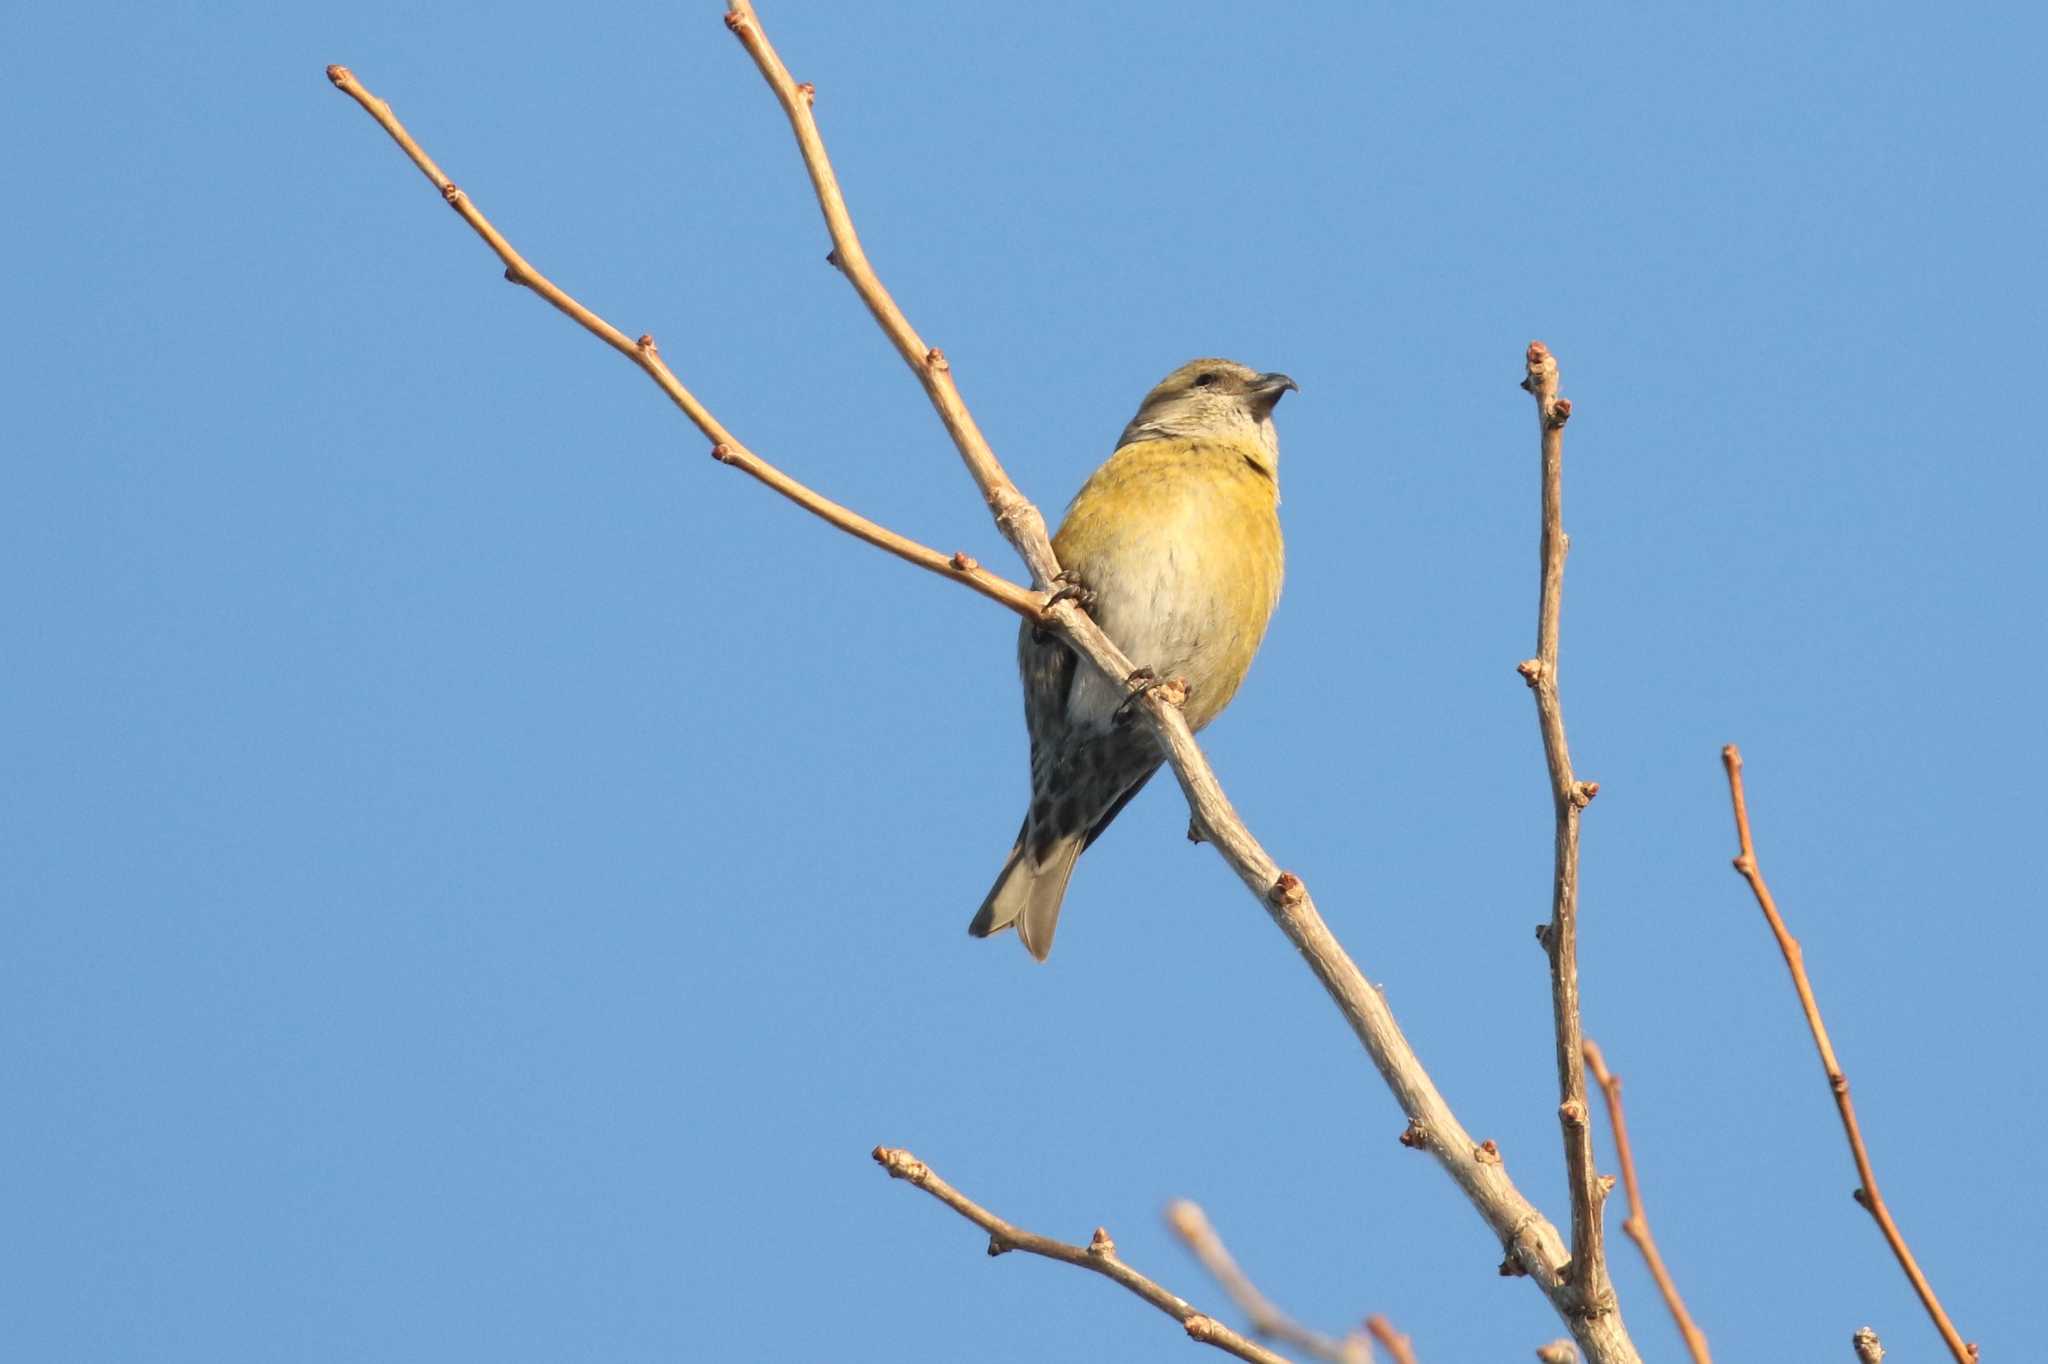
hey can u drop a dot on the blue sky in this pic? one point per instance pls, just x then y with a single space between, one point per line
478 878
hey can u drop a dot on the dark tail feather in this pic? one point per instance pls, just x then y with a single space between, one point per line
1028 894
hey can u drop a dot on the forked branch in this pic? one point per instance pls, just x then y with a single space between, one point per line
1838 1083
725 447
1637 1226
1099 1256
1019 521
1532 1244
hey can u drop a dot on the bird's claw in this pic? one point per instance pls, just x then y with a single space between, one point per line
1143 680
1070 588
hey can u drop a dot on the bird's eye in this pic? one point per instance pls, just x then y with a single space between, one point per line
1204 380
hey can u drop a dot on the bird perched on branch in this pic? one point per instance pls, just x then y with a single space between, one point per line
1173 546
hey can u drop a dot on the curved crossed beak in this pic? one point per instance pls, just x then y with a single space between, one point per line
1267 388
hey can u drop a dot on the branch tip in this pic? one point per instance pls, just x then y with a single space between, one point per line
902 1165
340 74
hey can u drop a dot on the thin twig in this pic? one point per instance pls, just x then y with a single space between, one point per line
1637 1224
1019 521
1869 1349
725 447
1532 1245
1569 796
1838 1083
1187 1221
1399 1346
1099 1255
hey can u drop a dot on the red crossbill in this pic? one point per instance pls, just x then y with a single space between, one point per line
1175 545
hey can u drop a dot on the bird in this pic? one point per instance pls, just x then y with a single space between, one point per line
1174 547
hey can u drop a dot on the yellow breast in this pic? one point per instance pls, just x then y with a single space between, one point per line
1179 541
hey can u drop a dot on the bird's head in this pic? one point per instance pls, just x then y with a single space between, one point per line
1211 398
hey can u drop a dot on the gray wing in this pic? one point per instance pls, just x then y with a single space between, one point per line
1048 667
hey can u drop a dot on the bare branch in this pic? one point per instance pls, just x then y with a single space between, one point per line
1099 1256
1532 1245
1838 1083
1399 1346
726 448
1019 521
1191 1224
1637 1225
1569 796
1869 1349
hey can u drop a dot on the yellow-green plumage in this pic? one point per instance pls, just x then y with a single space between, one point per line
1179 541
1176 541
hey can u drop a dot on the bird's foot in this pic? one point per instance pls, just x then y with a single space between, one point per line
1070 588
1143 680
